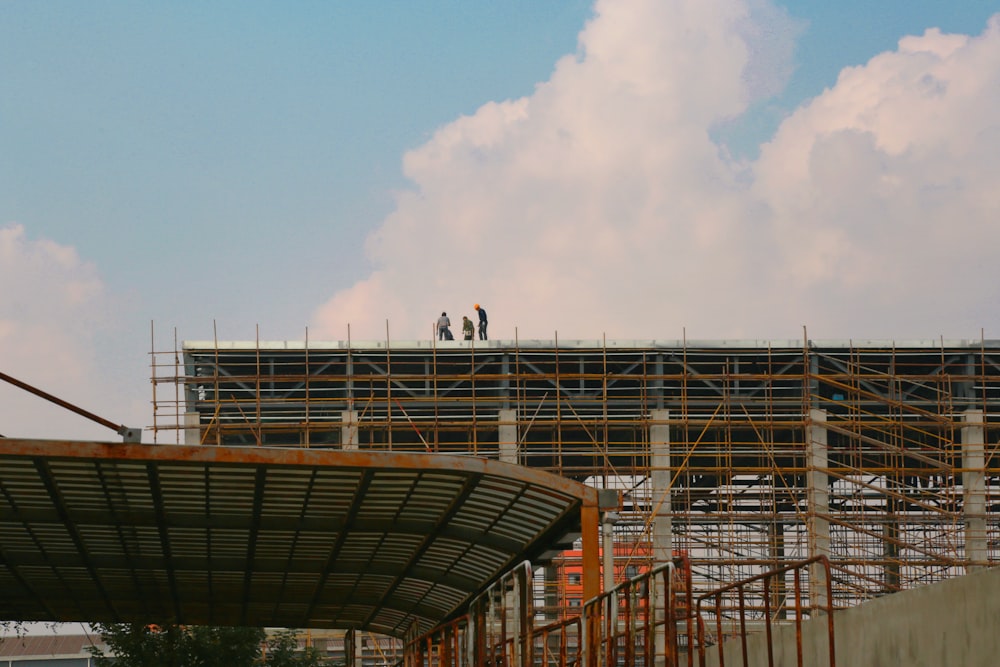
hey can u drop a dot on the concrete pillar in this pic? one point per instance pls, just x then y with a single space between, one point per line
349 429
507 438
974 489
504 386
656 386
608 548
662 537
192 428
508 435
818 498
608 521
359 648
659 442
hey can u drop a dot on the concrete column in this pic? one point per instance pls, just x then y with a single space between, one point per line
974 489
662 537
349 429
505 376
818 498
508 435
659 442
608 548
192 428
608 521
507 438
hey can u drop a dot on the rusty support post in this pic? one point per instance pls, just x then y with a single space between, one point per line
590 529
349 647
128 434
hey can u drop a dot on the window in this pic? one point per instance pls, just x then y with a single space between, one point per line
575 578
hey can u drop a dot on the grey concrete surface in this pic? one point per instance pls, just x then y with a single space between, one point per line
955 623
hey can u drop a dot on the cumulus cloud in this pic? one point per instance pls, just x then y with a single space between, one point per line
601 205
883 192
54 311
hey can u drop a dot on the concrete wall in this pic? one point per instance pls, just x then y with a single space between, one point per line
955 622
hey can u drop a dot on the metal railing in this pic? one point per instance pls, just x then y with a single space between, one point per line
758 604
644 621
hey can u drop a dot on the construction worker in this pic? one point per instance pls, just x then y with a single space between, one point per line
466 328
443 324
482 322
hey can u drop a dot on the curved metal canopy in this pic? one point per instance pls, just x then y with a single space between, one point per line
300 538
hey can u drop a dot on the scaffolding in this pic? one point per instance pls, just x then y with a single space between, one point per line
879 456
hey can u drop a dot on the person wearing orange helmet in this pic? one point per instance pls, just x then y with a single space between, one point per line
482 321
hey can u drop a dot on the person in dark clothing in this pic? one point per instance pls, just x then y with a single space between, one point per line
443 325
482 321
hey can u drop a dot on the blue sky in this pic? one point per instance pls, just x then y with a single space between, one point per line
572 166
849 32
238 138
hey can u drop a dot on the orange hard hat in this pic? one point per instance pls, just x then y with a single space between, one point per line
476 306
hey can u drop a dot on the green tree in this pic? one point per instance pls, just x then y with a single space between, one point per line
137 645
214 647
283 651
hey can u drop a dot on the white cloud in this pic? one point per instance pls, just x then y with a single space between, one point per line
600 205
54 315
884 191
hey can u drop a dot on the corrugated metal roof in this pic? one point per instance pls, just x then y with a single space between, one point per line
263 537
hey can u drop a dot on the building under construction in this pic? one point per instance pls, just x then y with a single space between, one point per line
743 455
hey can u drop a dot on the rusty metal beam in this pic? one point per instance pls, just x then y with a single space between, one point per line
590 532
129 434
352 459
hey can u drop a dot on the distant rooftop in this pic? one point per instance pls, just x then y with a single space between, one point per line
646 343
